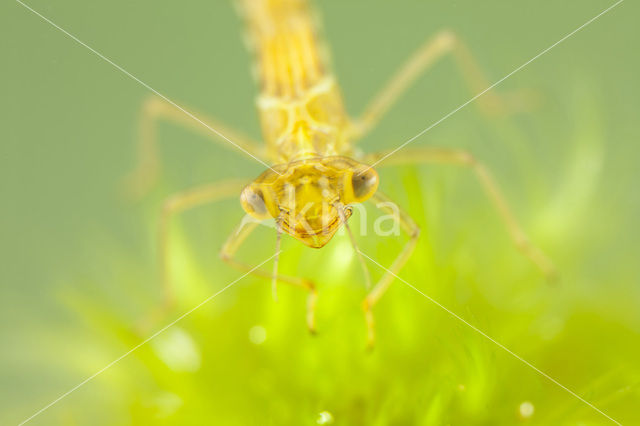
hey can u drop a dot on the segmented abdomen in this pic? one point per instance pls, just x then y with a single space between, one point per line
301 109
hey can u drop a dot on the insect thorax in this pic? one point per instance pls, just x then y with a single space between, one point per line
311 125
300 106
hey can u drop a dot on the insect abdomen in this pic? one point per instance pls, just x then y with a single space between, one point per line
282 35
300 106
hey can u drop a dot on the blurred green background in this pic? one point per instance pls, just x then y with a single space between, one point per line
78 264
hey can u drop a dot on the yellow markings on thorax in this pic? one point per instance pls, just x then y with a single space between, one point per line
300 107
312 125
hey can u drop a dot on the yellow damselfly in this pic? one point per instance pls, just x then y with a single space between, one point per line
315 173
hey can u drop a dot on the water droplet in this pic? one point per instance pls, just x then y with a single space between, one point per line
167 404
526 409
257 334
177 350
325 418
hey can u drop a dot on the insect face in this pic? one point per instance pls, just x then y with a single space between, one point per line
311 198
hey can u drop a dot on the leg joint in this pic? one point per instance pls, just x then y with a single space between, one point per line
447 38
415 232
467 159
153 105
367 304
309 285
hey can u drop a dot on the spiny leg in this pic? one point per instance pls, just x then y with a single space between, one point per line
232 245
178 203
433 49
411 228
465 159
148 166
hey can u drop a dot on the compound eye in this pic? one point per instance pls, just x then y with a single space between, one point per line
364 184
253 203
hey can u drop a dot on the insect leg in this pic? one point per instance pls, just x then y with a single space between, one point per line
463 158
433 49
411 228
148 166
173 205
231 246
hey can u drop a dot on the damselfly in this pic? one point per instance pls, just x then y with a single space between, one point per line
315 173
